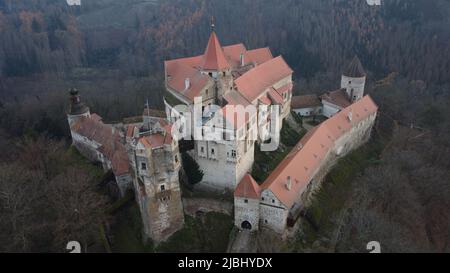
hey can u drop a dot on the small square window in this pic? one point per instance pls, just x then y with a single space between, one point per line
143 166
273 201
163 188
245 201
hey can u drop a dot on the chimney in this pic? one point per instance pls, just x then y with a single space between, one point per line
350 115
288 183
242 59
187 84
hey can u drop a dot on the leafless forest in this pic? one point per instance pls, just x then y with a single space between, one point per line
113 52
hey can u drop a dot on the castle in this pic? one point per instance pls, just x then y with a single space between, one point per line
225 101
277 203
224 78
142 156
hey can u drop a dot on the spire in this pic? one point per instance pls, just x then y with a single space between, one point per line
214 58
213 26
355 69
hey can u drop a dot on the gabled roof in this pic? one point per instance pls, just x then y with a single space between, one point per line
120 162
253 83
178 72
235 98
108 138
301 164
305 101
338 97
247 188
95 130
275 96
214 58
355 69
260 55
159 139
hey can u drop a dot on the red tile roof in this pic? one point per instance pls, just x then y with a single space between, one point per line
259 63
255 56
338 98
214 58
259 55
253 83
108 138
233 54
265 100
96 117
304 160
178 72
120 162
130 131
95 130
285 88
235 98
275 96
298 102
157 140
248 188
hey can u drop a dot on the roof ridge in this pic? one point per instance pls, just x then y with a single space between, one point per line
214 57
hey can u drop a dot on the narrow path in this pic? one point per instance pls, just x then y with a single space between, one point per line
244 242
193 205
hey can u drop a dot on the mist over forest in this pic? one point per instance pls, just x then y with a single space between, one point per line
113 52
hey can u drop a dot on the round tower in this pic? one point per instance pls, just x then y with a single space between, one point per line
77 109
354 80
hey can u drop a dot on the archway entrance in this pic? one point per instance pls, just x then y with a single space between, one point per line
246 225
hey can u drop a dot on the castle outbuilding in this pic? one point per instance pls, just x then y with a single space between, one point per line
142 156
353 81
278 201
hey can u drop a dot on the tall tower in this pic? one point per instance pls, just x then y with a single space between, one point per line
354 80
157 163
216 65
77 109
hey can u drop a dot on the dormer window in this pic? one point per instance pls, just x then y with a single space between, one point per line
163 188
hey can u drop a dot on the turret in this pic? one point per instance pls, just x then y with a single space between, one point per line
77 109
354 80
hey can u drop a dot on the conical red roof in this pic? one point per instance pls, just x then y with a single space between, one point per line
247 188
214 58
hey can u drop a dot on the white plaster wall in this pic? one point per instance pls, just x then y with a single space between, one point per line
218 171
246 212
357 84
308 111
329 110
273 214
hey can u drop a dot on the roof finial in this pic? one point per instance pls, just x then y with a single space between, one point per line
213 26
